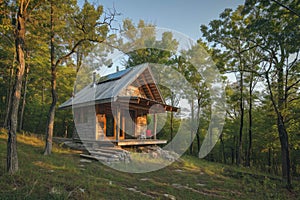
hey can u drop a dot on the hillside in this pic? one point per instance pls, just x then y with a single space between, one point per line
63 176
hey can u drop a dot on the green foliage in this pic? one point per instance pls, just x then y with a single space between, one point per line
147 48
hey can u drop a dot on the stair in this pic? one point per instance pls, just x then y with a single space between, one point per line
108 154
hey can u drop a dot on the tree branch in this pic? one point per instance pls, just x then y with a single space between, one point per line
286 7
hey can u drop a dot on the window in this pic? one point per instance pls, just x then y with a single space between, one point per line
109 126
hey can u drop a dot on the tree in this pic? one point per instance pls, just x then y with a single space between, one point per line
79 28
8 56
278 51
230 35
20 30
256 27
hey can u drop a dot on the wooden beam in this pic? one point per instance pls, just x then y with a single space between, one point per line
118 123
148 87
155 125
135 142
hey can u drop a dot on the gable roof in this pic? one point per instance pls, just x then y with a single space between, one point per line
109 87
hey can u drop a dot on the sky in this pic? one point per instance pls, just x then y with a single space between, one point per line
183 16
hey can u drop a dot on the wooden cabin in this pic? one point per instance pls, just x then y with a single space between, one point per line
118 106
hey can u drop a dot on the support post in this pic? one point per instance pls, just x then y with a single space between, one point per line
155 125
118 123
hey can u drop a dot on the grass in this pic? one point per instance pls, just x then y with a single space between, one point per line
62 176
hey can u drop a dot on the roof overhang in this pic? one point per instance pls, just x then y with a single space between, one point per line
147 103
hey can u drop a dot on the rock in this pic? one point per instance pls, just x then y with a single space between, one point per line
157 152
170 196
54 191
154 154
81 190
85 161
145 179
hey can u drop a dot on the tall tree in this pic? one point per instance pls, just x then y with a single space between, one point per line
20 30
77 28
8 11
230 34
276 39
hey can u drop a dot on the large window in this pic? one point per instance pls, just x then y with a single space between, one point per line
109 126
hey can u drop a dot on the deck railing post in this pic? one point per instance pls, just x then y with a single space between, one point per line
118 123
155 125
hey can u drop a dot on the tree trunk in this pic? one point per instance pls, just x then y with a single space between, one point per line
232 156
24 99
9 93
249 149
192 127
285 154
42 107
283 135
198 124
223 148
171 129
12 157
198 140
269 160
240 141
51 113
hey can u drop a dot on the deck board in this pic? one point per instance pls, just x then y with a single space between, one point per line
133 142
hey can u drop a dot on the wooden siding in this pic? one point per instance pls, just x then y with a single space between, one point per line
85 119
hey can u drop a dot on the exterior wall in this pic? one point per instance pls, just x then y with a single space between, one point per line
133 91
85 120
91 122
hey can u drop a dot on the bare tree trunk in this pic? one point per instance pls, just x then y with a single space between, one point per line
24 99
249 149
12 157
223 148
9 93
285 153
198 123
192 127
283 135
269 160
39 124
51 113
240 141
171 129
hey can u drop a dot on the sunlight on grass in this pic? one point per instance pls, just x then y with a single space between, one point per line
141 163
29 140
62 176
48 166
35 141
189 165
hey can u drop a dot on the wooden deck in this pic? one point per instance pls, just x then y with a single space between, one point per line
111 143
137 142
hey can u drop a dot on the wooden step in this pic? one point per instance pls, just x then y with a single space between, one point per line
100 158
108 155
111 150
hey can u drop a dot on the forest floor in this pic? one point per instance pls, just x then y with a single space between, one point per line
63 175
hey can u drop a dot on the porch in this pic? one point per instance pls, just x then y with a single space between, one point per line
139 142
117 143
